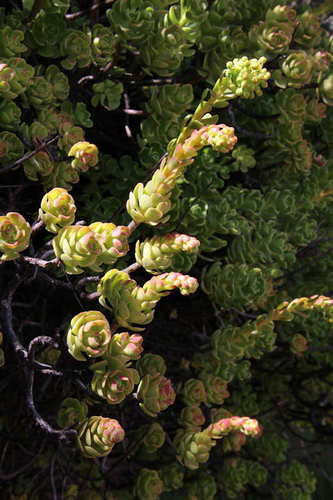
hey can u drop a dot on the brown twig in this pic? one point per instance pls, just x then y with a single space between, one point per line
95 6
25 157
88 279
132 226
37 226
135 112
90 296
40 262
133 267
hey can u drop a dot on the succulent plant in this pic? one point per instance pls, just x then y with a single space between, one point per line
77 247
113 385
148 485
155 394
88 335
15 234
98 435
71 412
57 209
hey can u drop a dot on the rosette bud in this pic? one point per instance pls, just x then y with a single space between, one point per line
97 436
71 412
172 476
113 385
38 165
162 253
86 155
315 111
217 414
299 344
7 75
62 176
114 241
36 132
203 486
14 235
107 94
155 393
194 392
192 418
150 203
40 92
57 209
15 77
47 29
126 299
216 388
151 364
149 485
308 31
296 70
11 147
124 347
275 39
76 46
11 42
104 44
275 33
77 247
58 81
89 335
154 437
70 136
321 61
10 115
193 448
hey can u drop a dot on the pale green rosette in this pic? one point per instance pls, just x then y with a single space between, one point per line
114 241
98 435
113 384
155 394
85 155
57 209
77 247
89 335
124 347
176 252
125 299
296 70
14 235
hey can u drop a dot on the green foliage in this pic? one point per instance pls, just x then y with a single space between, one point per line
206 128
